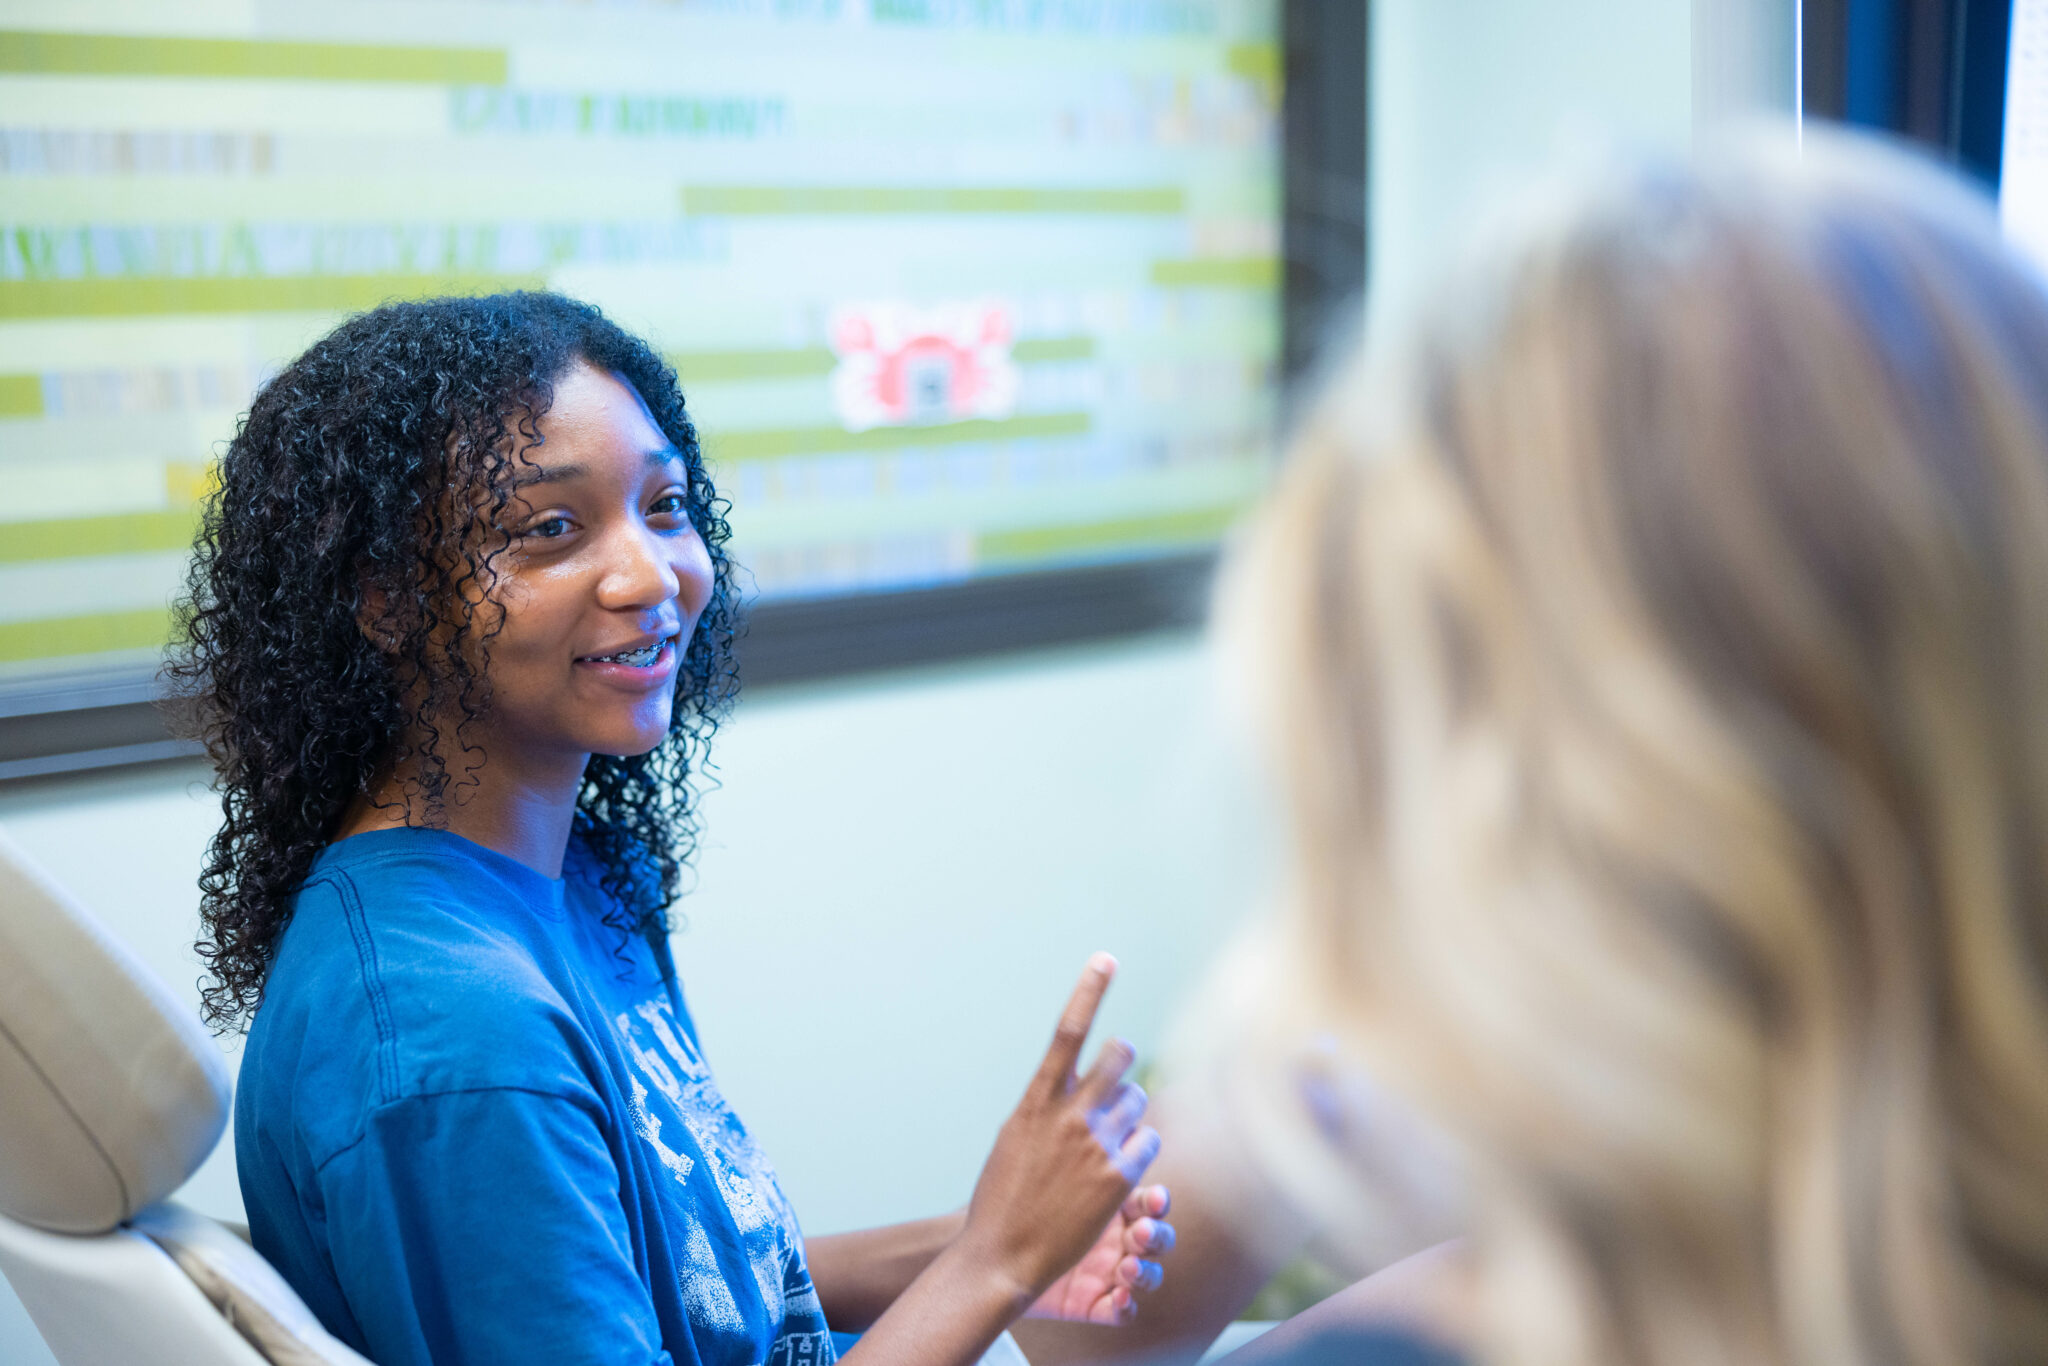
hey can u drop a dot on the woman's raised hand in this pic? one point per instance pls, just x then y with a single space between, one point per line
1065 1164
1054 1211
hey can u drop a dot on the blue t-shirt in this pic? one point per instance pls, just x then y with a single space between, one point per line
474 1126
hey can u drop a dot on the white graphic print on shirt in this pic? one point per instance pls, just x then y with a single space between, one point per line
718 1145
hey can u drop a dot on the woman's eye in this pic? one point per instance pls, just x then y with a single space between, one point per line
669 505
549 528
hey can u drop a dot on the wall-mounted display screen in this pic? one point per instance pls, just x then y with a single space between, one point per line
955 288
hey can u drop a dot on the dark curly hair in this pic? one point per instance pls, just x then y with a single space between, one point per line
362 495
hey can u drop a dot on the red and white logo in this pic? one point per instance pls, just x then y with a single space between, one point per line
901 365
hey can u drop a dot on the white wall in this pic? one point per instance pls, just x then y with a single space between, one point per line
904 880
1471 98
1745 59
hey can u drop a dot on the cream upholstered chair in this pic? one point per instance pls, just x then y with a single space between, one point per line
110 1095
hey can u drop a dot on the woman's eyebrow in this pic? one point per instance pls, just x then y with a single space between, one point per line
551 474
556 474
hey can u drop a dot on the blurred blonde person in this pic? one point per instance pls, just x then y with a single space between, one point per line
1657 656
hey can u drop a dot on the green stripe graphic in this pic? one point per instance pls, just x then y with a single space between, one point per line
1259 63
117 534
778 364
801 362
823 199
56 637
1225 272
115 297
21 396
1173 528
765 444
103 54
1053 348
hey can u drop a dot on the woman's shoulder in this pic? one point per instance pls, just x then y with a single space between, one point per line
409 967
412 862
417 914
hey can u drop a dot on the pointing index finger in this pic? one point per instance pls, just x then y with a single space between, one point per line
1057 1072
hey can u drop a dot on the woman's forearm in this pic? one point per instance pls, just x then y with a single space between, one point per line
947 1316
859 1275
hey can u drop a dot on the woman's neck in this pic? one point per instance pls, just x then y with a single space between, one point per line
526 816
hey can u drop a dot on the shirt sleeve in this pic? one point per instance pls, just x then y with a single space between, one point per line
484 1227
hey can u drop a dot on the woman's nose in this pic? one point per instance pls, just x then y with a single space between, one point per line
639 571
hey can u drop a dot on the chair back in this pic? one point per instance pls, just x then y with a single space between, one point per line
114 1093
114 1096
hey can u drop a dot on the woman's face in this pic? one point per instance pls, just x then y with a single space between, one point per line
601 587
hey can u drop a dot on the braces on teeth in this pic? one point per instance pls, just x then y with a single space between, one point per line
638 659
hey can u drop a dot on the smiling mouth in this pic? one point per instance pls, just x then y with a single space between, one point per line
635 659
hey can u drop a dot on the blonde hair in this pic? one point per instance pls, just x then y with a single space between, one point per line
1659 654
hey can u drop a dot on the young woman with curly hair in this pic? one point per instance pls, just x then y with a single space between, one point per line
458 636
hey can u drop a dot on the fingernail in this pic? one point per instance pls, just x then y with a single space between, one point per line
1104 963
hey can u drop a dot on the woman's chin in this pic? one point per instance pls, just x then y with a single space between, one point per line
623 747
630 741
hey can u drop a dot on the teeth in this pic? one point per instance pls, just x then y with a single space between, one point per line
638 659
